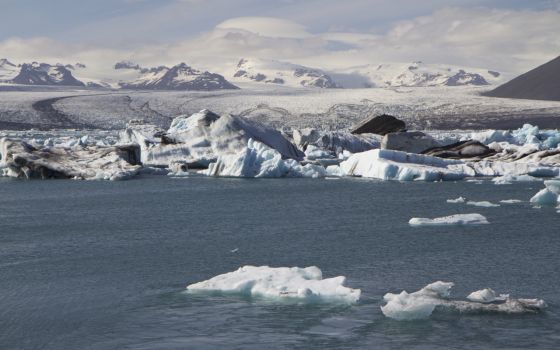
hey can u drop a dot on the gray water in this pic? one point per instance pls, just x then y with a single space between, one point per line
103 265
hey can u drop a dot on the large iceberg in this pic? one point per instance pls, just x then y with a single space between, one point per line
259 160
402 166
201 138
421 304
20 159
458 219
280 283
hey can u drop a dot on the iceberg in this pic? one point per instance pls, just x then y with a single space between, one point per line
21 160
280 283
526 135
457 200
508 179
336 141
201 138
553 186
417 305
421 304
458 219
259 160
402 166
545 197
511 201
484 204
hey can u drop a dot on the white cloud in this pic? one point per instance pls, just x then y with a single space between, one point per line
503 40
266 26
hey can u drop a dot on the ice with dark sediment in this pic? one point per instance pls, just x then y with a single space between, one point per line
421 304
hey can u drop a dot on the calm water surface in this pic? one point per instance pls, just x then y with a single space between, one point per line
103 265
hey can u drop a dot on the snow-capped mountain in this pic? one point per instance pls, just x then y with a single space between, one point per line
416 74
45 74
8 70
179 77
282 73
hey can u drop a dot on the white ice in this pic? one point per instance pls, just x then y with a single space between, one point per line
457 200
259 160
550 195
486 295
511 201
280 283
402 166
417 305
485 204
509 179
458 219
421 304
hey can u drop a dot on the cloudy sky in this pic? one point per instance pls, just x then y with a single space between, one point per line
504 35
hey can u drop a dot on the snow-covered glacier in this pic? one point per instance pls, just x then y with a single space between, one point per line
280 283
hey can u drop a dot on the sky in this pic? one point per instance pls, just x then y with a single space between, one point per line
503 35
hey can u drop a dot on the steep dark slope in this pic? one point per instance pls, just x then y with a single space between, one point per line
541 83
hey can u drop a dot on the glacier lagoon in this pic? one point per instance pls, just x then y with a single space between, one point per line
104 265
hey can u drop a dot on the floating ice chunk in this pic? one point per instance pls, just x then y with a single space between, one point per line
421 304
486 295
22 160
553 186
511 201
457 200
259 160
402 166
417 305
513 168
508 179
545 197
305 284
484 204
458 219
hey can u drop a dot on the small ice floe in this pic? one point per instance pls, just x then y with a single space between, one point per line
550 195
457 200
509 179
511 201
475 181
421 304
458 219
280 283
484 204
